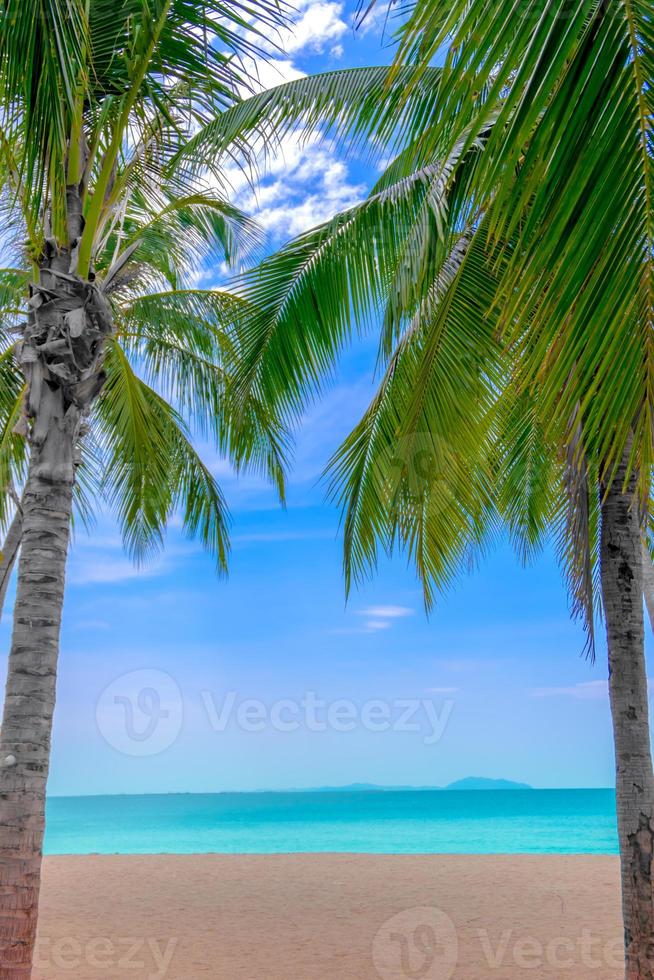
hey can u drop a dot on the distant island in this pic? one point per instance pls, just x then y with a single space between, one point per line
479 782
469 783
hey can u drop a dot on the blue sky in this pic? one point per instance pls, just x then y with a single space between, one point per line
158 664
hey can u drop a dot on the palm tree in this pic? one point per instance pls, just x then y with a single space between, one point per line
508 250
110 356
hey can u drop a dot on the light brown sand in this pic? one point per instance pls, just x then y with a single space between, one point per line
326 917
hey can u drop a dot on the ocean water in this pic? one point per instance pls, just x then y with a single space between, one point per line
389 822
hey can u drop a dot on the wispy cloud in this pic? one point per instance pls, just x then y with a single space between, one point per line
377 619
586 691
386 612
105 570
381 617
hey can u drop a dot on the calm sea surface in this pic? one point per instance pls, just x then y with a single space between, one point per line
395 822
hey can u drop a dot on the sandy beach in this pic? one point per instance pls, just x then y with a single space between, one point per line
319 916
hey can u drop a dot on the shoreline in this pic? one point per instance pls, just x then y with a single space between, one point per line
332 854
307 916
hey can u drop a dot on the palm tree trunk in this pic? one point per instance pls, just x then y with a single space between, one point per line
27 719
648 583
10 552
622 592
61 354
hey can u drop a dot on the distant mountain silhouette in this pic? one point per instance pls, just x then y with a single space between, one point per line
469 783
480 782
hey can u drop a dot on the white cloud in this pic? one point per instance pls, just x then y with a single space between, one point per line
386 612
313 26
106 570
301 182
378 618
586 691
302 185
319 23
270 72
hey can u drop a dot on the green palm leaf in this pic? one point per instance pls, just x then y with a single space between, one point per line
352 104
569 165
151 466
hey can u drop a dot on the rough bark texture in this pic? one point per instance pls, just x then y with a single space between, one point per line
9 553
622 592
27 719
648 583
61 354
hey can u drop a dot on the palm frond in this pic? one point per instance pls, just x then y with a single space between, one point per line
568 167
183 339
41 56
151 467
351 104
308 298
175 238
416 471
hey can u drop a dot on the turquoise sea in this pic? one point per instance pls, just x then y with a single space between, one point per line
389 822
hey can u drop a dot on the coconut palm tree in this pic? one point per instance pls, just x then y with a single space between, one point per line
508 250
110 355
